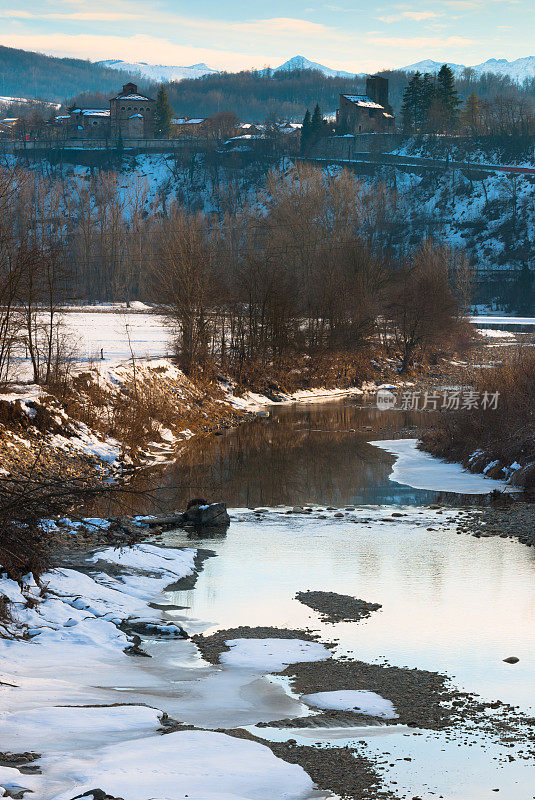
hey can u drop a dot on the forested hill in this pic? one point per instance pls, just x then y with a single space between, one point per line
253 96
27 74
257 96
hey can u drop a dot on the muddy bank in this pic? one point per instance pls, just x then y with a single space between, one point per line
334 607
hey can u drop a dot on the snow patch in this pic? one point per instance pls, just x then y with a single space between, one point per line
200 765
423 471
271 655
352 700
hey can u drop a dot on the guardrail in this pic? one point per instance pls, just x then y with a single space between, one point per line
399 160
17 145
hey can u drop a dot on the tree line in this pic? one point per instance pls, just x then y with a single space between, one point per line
309 269
258 96
432 104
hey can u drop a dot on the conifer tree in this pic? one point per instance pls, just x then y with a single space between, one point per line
317 122
447 95
409 107
305 132
427 96
163 114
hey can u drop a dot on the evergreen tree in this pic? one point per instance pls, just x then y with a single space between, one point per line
447 95
425 101
410 103
305 132
163 114
317 122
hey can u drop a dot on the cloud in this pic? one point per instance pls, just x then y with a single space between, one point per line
415 16
415 42
132 48
83 16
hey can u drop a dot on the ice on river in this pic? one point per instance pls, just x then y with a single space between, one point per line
200 765
271 655
352 700
421 470
57 727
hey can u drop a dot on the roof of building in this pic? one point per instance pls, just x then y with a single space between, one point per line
289 127
362 100
185 121
91 112
131 97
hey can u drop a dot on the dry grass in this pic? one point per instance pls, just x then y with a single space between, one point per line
340 369
506 434
144 400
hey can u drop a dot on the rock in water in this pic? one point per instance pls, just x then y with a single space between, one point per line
209 515
511 660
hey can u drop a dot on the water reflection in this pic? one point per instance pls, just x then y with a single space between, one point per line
317 454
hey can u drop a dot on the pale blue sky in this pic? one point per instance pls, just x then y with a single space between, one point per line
233 34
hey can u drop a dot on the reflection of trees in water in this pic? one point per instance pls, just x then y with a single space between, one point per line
316 453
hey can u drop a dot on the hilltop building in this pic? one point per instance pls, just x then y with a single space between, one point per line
366 113
89 123
132 114
184 126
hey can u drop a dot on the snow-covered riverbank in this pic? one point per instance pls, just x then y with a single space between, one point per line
99 717
63 669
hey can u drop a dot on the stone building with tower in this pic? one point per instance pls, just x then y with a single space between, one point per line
366 113
132 114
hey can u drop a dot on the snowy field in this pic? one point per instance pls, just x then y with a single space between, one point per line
501 320
118 335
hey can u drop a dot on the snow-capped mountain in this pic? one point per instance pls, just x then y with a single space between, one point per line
159 72
428 65
300 62
518 70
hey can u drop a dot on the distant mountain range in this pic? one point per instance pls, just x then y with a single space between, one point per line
26 74
517 70
158 73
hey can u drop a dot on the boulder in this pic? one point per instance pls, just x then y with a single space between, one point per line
209 515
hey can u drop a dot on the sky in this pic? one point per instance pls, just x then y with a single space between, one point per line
353 35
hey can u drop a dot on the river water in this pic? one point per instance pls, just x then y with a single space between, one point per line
318 453
450 603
